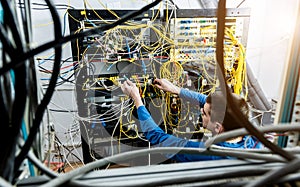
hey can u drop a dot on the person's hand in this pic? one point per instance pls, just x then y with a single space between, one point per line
166 85
130 89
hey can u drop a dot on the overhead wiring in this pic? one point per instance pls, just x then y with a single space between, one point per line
71 37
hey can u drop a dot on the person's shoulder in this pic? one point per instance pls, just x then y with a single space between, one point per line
251 142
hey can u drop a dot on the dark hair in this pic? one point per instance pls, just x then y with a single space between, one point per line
223 112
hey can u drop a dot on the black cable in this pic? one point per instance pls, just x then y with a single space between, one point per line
67 79
6 44
5 87
26 18
238 117
4 111
74 65
33 98
62 61
67 111
70 151
56 5
5 103
44 70
59 83
67 60
65 72
12 129
59 153
11 50
64 80
71 37
12 24
47 97
174 4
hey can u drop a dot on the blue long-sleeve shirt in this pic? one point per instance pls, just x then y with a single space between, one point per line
158 137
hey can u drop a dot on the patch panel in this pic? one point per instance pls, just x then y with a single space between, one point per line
191 54
293 140
202 26
296 112
200 33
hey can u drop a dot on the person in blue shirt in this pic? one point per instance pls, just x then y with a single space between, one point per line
216 117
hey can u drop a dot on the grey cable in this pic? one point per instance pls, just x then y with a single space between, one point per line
133 154
41 166
247 155
3 182
184 179
295 150
114 159
274 175
242 131
240 3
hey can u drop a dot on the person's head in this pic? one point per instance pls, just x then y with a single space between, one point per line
218 117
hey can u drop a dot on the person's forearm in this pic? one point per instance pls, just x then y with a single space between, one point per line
176 90
138 102
192 96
